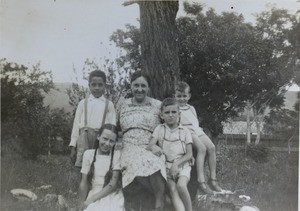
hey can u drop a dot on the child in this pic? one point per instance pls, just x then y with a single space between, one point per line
201 141
175 142
91 114
98 189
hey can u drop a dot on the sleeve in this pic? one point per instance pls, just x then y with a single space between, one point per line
188 137
117 160
86 161
111 114
75 129
194 111
156 131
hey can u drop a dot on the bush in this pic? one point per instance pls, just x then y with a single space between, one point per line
23 115
259 152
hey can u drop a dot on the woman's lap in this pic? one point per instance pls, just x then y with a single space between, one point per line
136 161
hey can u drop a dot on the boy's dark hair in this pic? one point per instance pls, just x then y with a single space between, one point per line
97 73
138 74
181 86
168 102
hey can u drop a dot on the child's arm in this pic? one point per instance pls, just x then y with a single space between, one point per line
152 142
154 148
83 190
186 158
108 189
111 116
75 129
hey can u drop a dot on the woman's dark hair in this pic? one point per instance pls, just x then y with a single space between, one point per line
90 174
97 73
138 74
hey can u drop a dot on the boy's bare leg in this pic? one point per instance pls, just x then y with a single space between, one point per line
212 163
200 159
176 200
201 152
184 193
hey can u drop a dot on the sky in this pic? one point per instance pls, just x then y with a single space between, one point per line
62 34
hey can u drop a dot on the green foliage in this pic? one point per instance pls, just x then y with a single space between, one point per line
22 105
212 58
258 152
59 124
283 123
128 40
24 117
116 81
227 61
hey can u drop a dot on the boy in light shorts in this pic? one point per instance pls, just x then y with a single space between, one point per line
175 142
201 142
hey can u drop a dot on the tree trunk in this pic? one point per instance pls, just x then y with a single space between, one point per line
248 109
49 146
289 144
258 121
159 47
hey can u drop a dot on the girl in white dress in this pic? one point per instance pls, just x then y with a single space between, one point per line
100 187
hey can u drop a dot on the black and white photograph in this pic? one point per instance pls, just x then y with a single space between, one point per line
150 105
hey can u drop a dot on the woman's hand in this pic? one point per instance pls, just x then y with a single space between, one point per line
174 171
192 161
82 206
156 150
87 202
73 155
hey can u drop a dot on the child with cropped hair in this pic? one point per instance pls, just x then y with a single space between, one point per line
201 141
175 142
91 114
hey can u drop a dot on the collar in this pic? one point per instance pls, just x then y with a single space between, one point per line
91 97
184 108
167 127
98 153
147 102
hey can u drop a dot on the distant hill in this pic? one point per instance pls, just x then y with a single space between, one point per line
59 98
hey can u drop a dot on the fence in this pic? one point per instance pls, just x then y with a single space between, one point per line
274 143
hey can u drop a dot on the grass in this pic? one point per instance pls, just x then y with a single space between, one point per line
272 185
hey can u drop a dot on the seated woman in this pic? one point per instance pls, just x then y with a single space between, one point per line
99 188
138 117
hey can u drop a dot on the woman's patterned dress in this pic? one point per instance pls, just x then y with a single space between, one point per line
137 123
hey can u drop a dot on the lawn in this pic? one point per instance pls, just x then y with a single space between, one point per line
272 184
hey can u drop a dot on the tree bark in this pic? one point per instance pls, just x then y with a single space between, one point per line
258 121
248 109
159 48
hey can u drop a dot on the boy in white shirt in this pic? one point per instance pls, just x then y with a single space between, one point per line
201 141
91 114
175 142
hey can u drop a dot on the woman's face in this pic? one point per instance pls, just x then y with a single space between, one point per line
107 140
140 88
